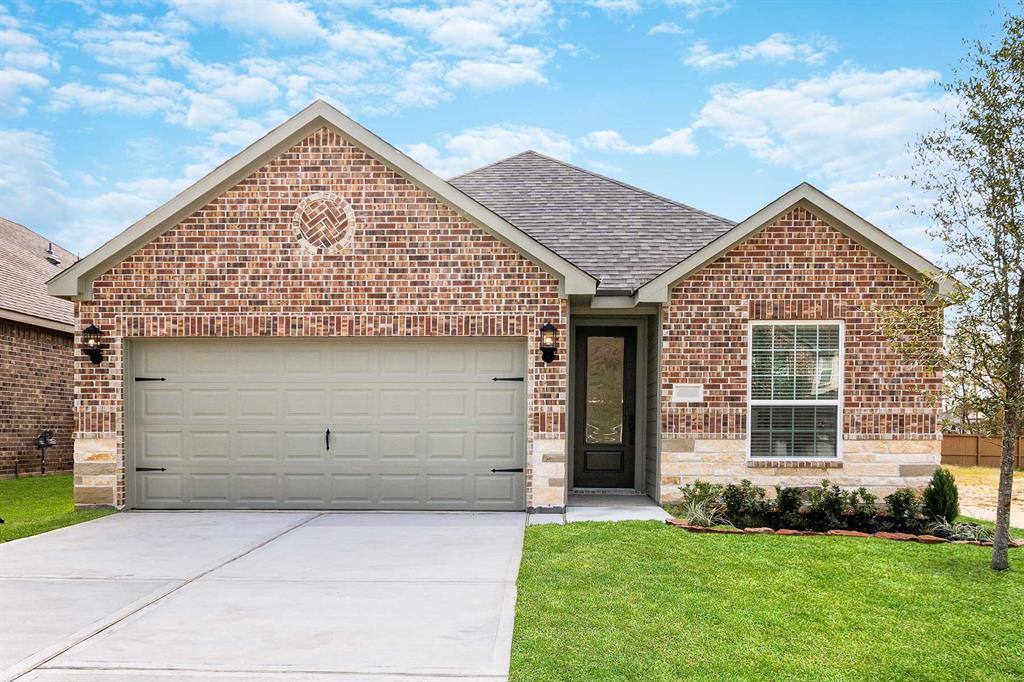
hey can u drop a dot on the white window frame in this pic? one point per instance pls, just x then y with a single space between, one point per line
837 402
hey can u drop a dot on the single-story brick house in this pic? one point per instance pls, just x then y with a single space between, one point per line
322 323
36 354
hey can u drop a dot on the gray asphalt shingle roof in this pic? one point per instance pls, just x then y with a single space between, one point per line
24 272
620 234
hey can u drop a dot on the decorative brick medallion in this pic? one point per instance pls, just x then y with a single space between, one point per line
324 223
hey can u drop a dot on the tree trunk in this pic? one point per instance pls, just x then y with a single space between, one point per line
1001 541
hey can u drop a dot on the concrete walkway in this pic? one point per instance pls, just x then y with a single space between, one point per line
274 596
604 507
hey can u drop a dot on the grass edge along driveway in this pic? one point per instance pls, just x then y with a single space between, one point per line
36 504
644 601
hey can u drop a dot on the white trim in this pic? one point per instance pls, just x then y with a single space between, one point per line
826 208
75 282
836 402
24 318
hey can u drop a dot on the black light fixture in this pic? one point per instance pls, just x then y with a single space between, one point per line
91 336
548 342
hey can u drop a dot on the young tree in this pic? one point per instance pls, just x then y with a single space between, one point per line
972 170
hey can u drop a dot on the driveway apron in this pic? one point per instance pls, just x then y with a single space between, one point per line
278 595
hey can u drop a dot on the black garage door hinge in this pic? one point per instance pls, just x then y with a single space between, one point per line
150 378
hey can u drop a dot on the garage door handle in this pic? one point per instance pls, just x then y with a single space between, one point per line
508 471
327 438
508 378
150 468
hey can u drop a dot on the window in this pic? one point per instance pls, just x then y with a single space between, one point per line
795 378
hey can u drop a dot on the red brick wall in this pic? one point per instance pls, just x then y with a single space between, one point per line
797 268
36 369
414 267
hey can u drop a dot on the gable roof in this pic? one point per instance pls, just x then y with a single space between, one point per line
24 270
623 235
827 209
76 281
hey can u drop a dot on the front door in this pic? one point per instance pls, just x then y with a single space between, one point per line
605 407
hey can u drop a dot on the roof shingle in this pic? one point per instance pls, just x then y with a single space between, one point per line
622 235
24 271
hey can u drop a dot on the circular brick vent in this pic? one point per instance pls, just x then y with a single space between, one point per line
323 223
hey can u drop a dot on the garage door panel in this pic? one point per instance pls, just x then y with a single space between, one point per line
414 424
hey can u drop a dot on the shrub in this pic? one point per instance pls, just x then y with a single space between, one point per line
787 506
941 499
745 504
904 506
700 491
827 505
863 505
953 530
706 512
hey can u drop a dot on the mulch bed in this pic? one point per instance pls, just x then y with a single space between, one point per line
885 535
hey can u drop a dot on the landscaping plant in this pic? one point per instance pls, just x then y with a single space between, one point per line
941 499
903 510
788 502
745 504
827 504
959 530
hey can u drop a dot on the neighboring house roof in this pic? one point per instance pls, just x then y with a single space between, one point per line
24 271
623 235
825 208
77 280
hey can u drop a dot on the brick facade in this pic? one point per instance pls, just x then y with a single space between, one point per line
412 267
36 370
797 268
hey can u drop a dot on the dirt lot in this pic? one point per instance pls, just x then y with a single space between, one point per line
978 486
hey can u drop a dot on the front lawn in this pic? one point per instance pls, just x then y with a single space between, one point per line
35 505
644 601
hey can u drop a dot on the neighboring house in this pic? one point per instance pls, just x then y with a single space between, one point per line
36 353
322 323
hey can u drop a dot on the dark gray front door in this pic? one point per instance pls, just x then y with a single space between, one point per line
605 407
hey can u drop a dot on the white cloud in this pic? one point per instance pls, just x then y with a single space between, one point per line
12 83
667 27
479 146
101 99
675 143
518 65
777 48
475 26
849 130
22 57
624 6
695 8
206 111
292 21
365 42
118 41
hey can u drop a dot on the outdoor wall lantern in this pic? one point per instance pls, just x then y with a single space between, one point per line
548 341
91 336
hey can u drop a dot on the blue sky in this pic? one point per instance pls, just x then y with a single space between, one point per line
109 109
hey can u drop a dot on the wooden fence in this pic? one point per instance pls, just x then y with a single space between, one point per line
976 451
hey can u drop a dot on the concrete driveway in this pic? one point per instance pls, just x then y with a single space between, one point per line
266 595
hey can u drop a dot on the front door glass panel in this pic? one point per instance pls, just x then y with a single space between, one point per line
605 356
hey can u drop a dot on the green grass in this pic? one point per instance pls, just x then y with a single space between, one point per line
644 601
35 505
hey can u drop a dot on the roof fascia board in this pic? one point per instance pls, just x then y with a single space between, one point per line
76 281
837 215
23 318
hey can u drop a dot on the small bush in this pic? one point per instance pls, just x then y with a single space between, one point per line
700 491
952 530
903 509
941 498
745 504
863 507
828 503
788 502
707 513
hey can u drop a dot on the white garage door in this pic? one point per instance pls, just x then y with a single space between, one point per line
326 424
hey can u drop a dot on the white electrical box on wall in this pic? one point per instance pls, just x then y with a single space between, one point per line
687 393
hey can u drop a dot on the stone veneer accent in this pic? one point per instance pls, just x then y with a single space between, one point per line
797 268
36 369
414 267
